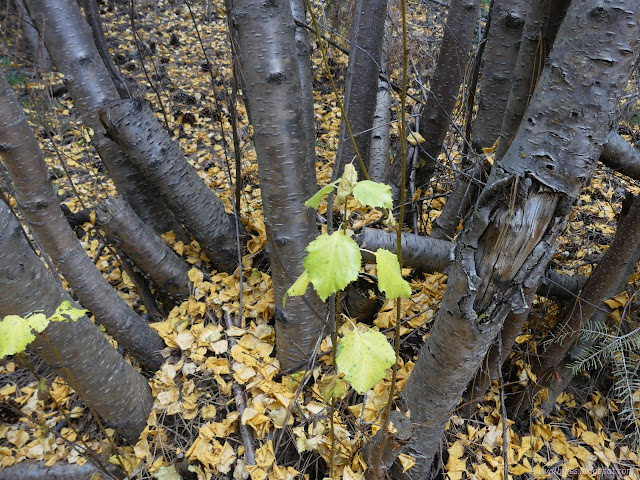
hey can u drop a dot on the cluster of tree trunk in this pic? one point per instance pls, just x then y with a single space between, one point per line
546 78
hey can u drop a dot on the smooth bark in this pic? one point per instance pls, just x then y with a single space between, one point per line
445 84
136 129
140 243
303 55
531 57
69 41
365 58
268 56
621 156
93 19
499 60
112 387
504 248
25 163
31 38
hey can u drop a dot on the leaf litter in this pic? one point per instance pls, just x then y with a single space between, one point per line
194 421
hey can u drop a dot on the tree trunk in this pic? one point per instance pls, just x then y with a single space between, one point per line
24 161
499 60
141 244
268 57
68 39
365 54
531 58
303 55
117 392
139 133
445 84
32 41
563 375
93 19
510 237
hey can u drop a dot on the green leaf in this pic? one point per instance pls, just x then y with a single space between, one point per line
66 312
348 181
168 473
38 322
314 202
390 279
15 335
298 288
331 388
332 262
373 194
363 358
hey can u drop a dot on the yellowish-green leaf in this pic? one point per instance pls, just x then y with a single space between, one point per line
314 202
332 262
390 279
414 138
298 288
364 358
15 335
373 194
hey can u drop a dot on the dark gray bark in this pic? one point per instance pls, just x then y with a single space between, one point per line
504 248
267 52
93 19
25 163
116 391
32 40
140 243
499 60
595 291
445 84
365 56
69 41
303 55
531 58
617 281
139 133
621 156
422 253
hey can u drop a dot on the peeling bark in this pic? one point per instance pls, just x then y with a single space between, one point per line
505 247
445 84
267 52
139 133
69 41
24 161
117 392
141 244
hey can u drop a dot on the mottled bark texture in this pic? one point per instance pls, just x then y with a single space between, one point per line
25 163
136 129
445 84
504 248
268 56
141 244
365 53
498 63
69 41
303 55
117 392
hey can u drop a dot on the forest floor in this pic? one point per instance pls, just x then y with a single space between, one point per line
193 428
